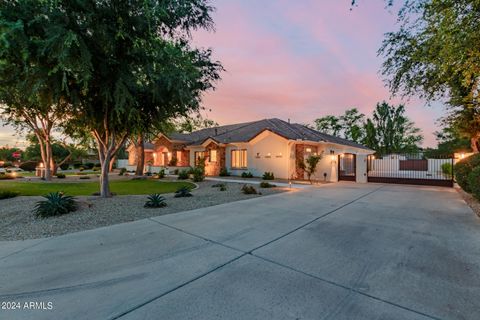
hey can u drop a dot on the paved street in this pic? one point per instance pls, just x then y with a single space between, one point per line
337 251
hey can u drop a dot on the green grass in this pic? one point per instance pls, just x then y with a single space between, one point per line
88 188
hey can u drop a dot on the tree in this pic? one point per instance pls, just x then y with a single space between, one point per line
62 152
114 62
309 165
191 123
370 138
329 125
348 125
351 123
433 55
389 130
6 153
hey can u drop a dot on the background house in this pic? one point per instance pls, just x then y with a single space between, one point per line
269 145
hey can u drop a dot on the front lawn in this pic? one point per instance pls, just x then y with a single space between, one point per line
88 188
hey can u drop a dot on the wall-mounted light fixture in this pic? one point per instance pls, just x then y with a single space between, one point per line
462 155
332 155
308 149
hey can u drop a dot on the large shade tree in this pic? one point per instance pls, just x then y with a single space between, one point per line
389 130
35 62
435 55
121 62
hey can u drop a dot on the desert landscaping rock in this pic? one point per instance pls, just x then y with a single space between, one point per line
17 221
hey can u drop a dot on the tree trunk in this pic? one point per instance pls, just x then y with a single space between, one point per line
107 149
48 160
112 162
104 182
140 150
474 144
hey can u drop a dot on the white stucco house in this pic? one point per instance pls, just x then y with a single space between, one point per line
269 145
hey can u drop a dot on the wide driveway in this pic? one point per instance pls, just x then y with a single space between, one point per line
338 251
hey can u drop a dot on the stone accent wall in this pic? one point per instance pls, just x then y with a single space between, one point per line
184 160
301 153
213 168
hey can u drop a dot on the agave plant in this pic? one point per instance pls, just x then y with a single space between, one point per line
155 201
56 204
183 192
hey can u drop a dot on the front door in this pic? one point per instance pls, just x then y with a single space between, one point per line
346 167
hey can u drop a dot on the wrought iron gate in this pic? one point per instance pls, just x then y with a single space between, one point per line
412 168
347 167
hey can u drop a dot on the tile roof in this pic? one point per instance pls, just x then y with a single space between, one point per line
244 132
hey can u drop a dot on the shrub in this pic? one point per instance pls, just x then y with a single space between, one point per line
223 188
463 168
183 192
173 162
161 174
447 169
77 165
218 185
84 177
268 176
81 169
28 165
198 175
224 172
474 182
89 165
97 168
6 164
122 171
155 201
249 190
182 175
175 171
267 185
61 176
247 174
64 166
6 194
56 204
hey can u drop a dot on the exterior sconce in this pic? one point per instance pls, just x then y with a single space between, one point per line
332 155
308 149
462 156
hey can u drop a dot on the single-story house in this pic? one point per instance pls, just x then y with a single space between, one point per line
269 145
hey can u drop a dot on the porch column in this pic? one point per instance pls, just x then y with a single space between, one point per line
361 167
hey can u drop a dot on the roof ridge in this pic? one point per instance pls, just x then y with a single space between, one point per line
291 128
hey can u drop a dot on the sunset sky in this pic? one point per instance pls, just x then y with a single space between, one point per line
299 60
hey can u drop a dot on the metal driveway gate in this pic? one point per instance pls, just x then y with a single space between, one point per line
347 167
412 168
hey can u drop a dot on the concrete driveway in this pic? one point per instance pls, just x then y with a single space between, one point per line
339 251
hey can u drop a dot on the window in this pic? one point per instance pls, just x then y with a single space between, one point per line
213 155
198 156
239 158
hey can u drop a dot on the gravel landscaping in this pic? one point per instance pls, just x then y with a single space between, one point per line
17 222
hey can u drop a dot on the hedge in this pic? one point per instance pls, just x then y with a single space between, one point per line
474 182
463 168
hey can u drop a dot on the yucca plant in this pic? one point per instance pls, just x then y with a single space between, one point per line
183 192
56 204
155 201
